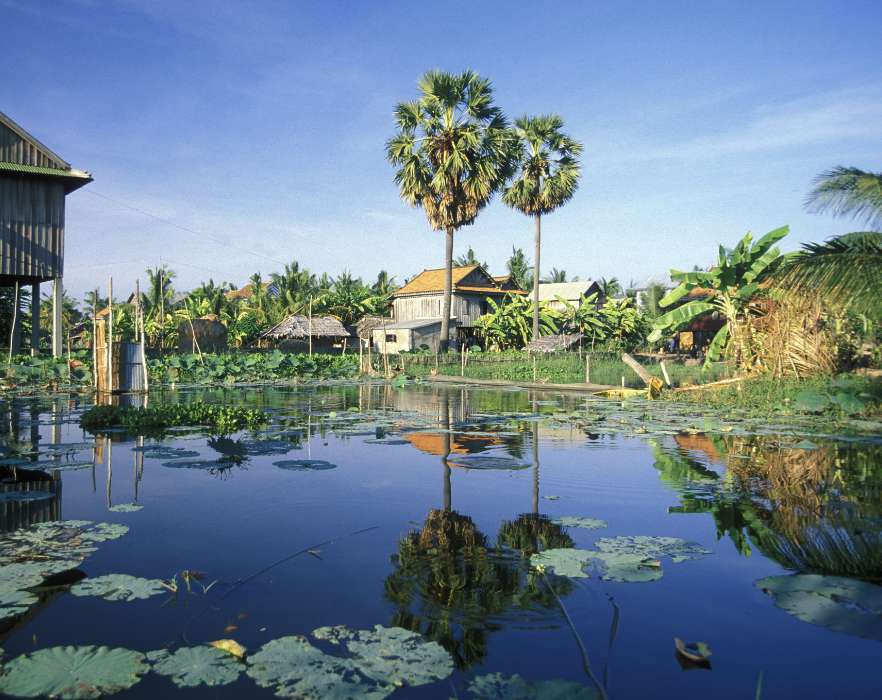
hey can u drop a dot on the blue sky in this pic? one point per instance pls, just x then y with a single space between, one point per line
261 126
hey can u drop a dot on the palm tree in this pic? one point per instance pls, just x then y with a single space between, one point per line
556 276
385 285
159 291
848 192
519 269
548 178
469 259
845 270
609 287
452 153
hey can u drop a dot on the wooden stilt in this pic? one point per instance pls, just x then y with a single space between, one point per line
56 317
35 319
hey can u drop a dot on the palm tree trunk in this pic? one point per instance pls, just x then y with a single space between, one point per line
536 277
448 288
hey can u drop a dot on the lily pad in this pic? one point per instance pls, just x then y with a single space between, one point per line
304 465
635 559
196 464
165 452
488 462
293 668
562 562
192 666
72 672
842 604
495 686
119 587
392 654
580 522
810 401
15 602
64 466
125 508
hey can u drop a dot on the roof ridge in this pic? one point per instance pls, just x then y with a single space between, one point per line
11 124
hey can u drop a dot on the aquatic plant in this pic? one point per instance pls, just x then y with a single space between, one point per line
304 465
73 673
562 562
231 368
223 419
188 667
126 508
119 587
580 522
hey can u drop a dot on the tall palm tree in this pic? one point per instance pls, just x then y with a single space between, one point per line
609 287
385 285
519 269
470 258
848 192
159 291
548 178
452 153
556 276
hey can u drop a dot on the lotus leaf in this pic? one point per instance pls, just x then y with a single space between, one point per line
162 452
488 462
304 465
102 532
126 508
584 523
119 587
15 602
192 666
635 559
842 604
267 447
810 401
562 562
392 654
294 668
495 686
197 464
72 672
64 466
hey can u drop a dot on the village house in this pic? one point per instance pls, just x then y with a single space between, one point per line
297 333
416 309
558 294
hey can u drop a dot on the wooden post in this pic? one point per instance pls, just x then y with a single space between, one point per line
109 340
639 369
665 373
587 368
56 317
360 356
309 326
15 330
95 342
35 319
535 370
461 361
161 312
139 333
623 381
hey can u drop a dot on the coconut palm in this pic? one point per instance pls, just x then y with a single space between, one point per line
845 270
609 287
159 292
519 269
848 192
452 153
470 258
548 177
558 276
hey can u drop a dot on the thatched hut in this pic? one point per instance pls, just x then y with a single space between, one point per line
211 335
298 333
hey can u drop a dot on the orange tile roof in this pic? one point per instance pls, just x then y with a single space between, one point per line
460 443
429 281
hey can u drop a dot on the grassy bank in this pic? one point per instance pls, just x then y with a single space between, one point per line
562 368
833 397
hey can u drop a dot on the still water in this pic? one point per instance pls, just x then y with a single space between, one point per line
420 507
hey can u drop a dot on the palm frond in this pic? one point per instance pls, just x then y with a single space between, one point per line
845 270
848 192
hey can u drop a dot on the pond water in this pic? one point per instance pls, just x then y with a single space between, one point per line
509 527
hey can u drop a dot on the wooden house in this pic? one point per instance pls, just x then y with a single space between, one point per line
416 309
301 333
558 294
34 182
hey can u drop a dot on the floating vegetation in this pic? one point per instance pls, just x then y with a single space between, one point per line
580 522
207 464
842 604
495 686
488 462
391 654
72 672
304 465
562 562
636 559
63 466
165 452
126 508
119 587
220 418
386 441
293 668
229 646
259 448
188 667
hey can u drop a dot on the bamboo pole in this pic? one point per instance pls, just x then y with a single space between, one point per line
35 319
309 327
140 332
665 372
109 340
13 329
587 368
161 311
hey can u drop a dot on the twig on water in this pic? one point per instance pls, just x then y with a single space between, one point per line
585 662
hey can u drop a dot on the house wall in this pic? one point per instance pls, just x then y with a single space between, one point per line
31 229
465 308
402 340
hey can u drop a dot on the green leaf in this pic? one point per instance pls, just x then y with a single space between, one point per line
119 587
634 559
841 604
193 666
580 522
73 672
717 346
679 317
811 401
562 562
125 508
849 403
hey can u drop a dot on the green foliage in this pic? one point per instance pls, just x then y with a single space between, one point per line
250 367
730 285
189 667
119 587
519 268
848 192
223 419
509 323
44 371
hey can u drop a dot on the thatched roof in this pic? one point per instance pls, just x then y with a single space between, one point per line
297 326
368 324
552 343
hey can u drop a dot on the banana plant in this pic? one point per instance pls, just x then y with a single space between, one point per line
584 318
730 286
510 321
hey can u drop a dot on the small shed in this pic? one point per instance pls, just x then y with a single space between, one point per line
327 333
574 293
211 335
554 343
403 336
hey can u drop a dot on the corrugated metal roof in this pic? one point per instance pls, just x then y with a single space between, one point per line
391 325
37 170
571 291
